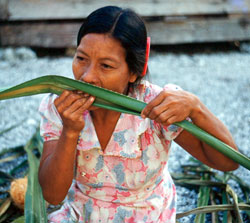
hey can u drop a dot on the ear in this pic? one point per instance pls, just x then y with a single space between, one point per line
132 78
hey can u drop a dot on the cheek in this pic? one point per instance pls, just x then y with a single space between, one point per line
76 70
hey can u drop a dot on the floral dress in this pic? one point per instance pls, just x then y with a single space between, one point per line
129 180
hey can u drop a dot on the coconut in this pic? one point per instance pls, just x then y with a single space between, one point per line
18 190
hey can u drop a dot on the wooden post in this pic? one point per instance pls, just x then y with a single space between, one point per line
4 13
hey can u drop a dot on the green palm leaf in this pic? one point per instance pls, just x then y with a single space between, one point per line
35 208
213 208
114 101
203 199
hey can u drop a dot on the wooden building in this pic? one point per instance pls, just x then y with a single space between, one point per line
44 23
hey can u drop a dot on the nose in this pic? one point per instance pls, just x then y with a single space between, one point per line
90 75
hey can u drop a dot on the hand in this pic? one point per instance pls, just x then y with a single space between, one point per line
171 106
71 105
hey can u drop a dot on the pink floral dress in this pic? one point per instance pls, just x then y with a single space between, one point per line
129 181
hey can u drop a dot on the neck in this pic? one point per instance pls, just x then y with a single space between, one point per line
103 116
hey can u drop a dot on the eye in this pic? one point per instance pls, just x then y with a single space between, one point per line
80 58
106 66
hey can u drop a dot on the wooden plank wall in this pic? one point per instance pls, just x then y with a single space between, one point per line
43 23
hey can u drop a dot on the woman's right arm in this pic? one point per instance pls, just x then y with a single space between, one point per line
56 169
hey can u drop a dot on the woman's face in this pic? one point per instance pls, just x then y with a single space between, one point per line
100 60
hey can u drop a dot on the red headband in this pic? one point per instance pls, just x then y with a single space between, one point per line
146 57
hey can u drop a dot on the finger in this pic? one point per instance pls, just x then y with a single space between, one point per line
157 111
70 110
68 101
78 107
167 118
88 103
61 98
173 119
170 121
163 117
85 95
155 102
81 93
172 115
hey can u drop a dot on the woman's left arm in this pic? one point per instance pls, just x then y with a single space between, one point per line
172 106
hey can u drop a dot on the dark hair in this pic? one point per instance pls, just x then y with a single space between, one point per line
124 25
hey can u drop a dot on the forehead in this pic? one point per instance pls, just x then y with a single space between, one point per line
102 45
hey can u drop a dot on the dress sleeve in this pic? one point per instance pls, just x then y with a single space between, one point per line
51 123
172 131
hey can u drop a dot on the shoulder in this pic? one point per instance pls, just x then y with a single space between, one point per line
173 87
47 102
47 108
146 91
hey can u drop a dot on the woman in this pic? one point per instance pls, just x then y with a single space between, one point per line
113 166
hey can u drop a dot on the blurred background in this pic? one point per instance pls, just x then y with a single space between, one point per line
201 45
53 24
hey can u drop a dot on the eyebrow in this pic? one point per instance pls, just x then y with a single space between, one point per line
110 59
80 51
104 58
